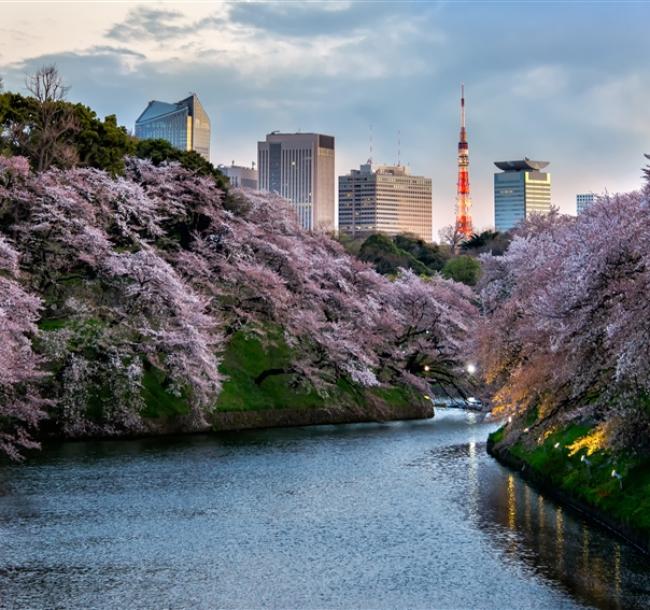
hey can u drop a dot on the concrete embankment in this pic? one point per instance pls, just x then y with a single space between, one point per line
276 418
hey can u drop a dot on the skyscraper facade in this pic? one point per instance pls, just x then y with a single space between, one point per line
185 125
583 201
240 176
387 200
300 168
520 189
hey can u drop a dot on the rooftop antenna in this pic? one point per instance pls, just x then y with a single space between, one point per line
370 145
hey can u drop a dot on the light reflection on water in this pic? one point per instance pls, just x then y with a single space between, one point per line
586 561
406 514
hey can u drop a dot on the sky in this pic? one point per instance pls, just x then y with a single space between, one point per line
566 82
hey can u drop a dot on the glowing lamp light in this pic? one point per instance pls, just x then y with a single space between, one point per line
556 445
526 429
427 397
471 368
427 368
510 419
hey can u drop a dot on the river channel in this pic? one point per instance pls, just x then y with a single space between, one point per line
397 515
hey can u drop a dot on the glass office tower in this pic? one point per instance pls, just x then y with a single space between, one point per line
520 190
185 125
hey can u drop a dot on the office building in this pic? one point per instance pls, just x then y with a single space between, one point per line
185 125
583 201
240 176
386 200
521 189
300 168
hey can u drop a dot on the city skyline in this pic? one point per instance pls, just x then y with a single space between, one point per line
577 97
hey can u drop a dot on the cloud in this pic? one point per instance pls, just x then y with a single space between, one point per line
146 22
540 81
572 94
301 20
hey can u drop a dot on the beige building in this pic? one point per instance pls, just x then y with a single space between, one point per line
385 200
300 168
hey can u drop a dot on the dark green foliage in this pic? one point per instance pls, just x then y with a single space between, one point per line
465 269
352 245
429 255
88 141
494 242
381 251
159 402
236 203
159 151
101 144
388 255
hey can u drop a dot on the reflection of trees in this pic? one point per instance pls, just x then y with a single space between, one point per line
582 560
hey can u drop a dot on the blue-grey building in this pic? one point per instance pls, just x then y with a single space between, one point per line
185 124
520 189
583 201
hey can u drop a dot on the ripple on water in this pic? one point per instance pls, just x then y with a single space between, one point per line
405 514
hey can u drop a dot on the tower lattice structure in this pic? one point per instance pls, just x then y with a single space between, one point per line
463 199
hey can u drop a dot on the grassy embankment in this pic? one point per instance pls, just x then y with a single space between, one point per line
247 358
572 462
248 399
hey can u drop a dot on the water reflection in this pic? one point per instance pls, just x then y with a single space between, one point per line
584 560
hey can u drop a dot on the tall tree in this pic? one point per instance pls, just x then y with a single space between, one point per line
47 139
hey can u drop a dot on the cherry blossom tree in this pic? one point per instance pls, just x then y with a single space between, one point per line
566 328
151 274
21 406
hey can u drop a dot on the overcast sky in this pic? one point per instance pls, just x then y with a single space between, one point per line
566 82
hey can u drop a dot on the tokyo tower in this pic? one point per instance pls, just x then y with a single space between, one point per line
463 199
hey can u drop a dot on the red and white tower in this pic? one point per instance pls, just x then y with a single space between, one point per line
463 199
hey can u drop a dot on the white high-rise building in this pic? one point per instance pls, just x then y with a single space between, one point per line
387 200
240 176
300 168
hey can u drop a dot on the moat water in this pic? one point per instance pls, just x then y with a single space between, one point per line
396 515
